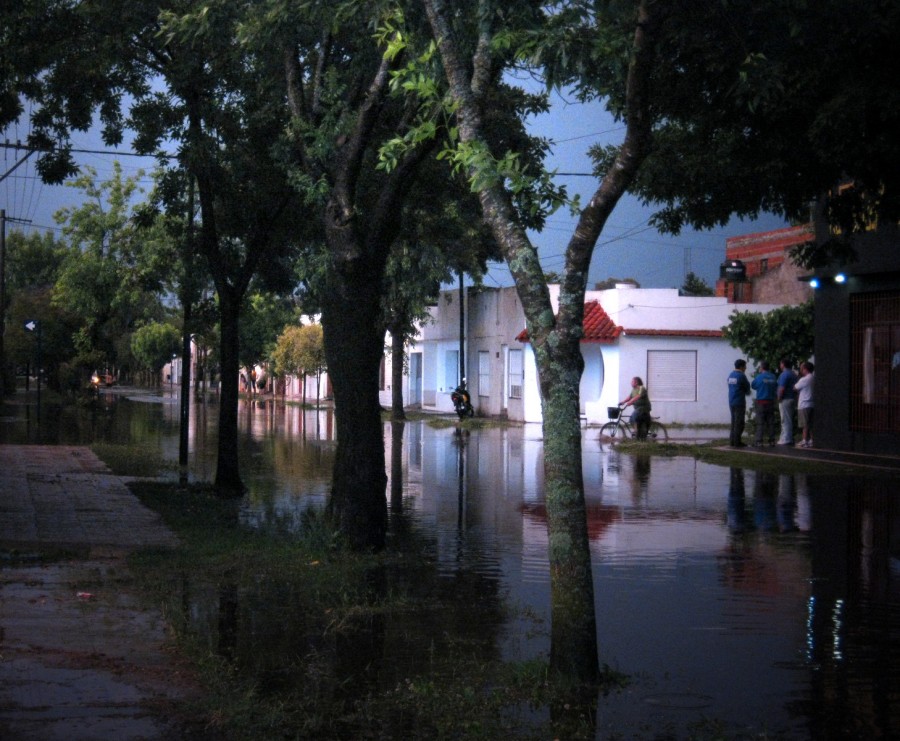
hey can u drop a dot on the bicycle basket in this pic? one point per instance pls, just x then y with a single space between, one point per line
613 412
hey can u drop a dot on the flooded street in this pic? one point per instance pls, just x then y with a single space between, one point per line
739 603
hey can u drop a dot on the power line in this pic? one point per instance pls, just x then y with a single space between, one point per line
108 152
587 136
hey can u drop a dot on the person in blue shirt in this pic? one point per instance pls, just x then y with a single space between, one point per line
787 401
738 389
765 384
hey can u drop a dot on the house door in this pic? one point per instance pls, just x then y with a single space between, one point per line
415 378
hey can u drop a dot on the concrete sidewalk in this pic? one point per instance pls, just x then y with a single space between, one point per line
889 464
65 497
80 657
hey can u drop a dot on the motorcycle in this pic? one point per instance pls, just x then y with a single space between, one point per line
462 401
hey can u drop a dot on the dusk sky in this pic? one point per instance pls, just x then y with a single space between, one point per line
628 248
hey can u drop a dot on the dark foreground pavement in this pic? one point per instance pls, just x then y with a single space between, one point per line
79 657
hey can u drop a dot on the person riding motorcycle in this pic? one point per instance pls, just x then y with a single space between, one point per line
462 401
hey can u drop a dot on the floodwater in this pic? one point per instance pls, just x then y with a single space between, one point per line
759 604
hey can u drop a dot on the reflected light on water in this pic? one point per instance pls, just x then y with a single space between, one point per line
768 602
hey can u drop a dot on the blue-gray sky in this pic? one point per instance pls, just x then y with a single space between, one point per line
628 247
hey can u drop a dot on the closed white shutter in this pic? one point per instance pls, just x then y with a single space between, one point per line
672 375
451 369
516 374
484 373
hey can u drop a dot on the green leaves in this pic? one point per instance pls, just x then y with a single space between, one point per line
300 349
154 344
786 332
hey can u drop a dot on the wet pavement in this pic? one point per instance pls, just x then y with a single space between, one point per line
79 657
757 571
885 463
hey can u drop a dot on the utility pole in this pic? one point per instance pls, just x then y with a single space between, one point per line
462 328
187 292
2 301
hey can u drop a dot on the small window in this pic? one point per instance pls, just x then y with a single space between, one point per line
672 375
484 373
764 265
451 369
516 374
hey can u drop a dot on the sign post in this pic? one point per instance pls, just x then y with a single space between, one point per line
35 326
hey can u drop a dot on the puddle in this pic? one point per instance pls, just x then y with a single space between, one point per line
767 603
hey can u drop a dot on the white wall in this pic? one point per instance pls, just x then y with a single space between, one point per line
715 360
494 318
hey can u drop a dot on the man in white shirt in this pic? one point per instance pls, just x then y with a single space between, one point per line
805 407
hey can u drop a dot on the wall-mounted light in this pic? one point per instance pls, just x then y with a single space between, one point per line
813 283
840 278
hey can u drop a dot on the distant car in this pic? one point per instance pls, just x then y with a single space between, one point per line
102 379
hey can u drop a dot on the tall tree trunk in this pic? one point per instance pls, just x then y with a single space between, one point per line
185 401
555 337
354 343
228 479
398 358
573 648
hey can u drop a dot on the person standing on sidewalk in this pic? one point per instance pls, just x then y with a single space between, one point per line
787 401
738 389
805 406
765 384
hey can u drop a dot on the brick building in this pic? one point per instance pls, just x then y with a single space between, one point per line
768 275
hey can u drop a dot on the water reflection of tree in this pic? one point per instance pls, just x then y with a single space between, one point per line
262 626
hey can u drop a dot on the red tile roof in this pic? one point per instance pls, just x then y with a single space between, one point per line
674 332
598 327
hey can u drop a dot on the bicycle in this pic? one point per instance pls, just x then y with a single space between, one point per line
619 429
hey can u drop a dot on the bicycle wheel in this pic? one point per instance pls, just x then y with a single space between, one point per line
658 432
611 432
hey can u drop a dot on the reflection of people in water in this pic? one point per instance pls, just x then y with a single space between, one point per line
640 477
642 468
804 507
786 503
737 519
764 512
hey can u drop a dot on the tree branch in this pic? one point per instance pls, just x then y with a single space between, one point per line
632 153
351 156
519 253
483 68
387 213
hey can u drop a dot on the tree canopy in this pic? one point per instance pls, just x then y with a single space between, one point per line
104 279
153 345
787 332
694 285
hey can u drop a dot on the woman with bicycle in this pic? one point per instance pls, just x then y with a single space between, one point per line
640 400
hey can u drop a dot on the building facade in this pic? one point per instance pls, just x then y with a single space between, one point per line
857 323
674 343
770 277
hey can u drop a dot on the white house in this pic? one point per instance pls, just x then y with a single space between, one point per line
673 342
